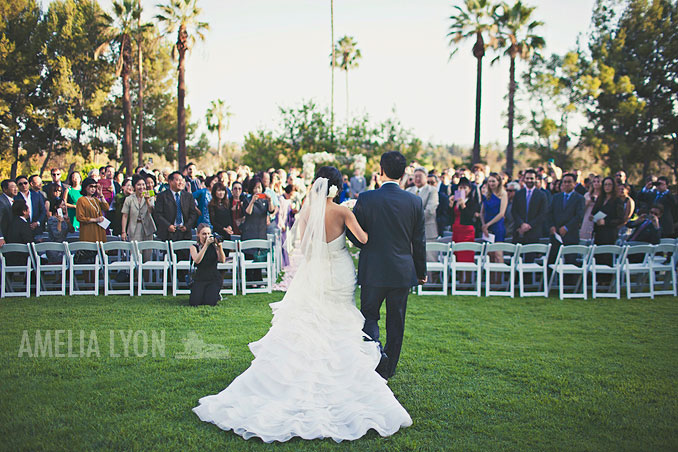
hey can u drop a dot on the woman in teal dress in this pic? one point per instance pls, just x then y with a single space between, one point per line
75 181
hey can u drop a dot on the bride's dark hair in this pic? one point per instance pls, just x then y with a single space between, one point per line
333 176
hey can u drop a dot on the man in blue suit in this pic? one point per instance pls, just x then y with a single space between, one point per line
565 215
394 258
36 205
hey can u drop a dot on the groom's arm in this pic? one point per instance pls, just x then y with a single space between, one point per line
419 242
359 215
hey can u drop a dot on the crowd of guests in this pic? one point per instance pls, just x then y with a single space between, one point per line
461 204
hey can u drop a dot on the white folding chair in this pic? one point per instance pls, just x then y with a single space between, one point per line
475 267
508 265
439 266
177 264
664 261
616 254
232 256
159 263
571 260
638 261
118 256
539 256
75 266
7 285
246 264
58 269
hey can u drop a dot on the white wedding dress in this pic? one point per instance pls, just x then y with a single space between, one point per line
313 375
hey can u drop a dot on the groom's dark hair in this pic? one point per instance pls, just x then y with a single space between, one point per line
393 163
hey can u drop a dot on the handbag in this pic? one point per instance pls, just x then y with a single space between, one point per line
260 255
85 256
189 275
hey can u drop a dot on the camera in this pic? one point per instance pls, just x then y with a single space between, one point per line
217 238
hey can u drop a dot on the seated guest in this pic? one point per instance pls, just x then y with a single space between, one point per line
647 228
57 227
207 279
220 212
19 231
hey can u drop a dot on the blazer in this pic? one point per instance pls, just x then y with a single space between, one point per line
395 254
132 209
19 232
569 215
39 211
534 215
429 198
5 215
165 214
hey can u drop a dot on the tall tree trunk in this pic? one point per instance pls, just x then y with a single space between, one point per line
219 141
347 110
15 153
478 52
334 59
127 154
181 112
511 115
141 96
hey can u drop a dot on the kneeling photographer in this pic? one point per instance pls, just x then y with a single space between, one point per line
207 280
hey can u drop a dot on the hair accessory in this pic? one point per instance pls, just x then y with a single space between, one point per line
332 191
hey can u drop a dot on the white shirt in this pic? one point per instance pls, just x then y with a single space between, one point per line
30 204
11 200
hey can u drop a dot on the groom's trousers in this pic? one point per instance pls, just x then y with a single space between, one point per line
371 298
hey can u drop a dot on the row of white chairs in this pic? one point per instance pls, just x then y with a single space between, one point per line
619 263
163 259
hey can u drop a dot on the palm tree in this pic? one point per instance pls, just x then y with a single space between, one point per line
518 33
119 30
334 61
473 21
218 120
349 54
141 93
182 16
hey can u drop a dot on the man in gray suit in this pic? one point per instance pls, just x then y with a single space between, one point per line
429 199
565 215
9 191
357 185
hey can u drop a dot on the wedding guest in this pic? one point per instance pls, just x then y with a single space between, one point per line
126 189
9 191
220 211
605 230
53 191
429 199
590 197
175 212
237 210
509 222
203 197
529 209
74 193
137 214
663 196
620 178
55 173
90 210
624 194
207 279
565 216
647 228
464 205
492 212
357 184
36 205
19 231
94 174
256 210
344 194
57 227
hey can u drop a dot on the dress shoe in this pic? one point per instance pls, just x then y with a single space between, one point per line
382 367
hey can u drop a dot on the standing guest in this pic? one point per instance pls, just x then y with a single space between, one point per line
53 191
9 192
57 227
464 205
624 194
358 184
509 221
191 178
258 207
19 231
429 199
595 191
109 186
55 173
90 210
529 209
620 178
175 212
273 197
151 181
663 196
345 192
126 189
605 229
237 210
443 209
645 198
119 177
492 212
203 197
36 205
137 214
207 279
35 183
565 215
375 182
94 174
220 211
74 193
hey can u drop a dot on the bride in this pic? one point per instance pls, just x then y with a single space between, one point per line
313 374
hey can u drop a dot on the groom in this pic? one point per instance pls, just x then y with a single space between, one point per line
393 259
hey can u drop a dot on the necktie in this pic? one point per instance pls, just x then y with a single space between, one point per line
418 189
179 219
527 201
565 199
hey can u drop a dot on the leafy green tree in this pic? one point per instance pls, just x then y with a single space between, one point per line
517 34
471 21
181 16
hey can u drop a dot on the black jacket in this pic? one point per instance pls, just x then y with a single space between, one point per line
534 216
395 253
19 232
165 213
569 215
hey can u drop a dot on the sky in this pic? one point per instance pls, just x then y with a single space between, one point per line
263 54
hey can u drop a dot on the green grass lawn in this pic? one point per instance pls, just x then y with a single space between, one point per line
475 374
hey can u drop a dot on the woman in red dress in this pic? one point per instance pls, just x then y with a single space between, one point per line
464 205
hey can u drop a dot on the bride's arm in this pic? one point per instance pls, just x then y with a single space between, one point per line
354 226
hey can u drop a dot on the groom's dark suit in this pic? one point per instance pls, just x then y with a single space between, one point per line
391 262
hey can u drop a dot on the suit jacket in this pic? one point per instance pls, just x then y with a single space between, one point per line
429 198
666 220
358 184
39 213
5 215
19 232
395 254
534 215
569 215
165 214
